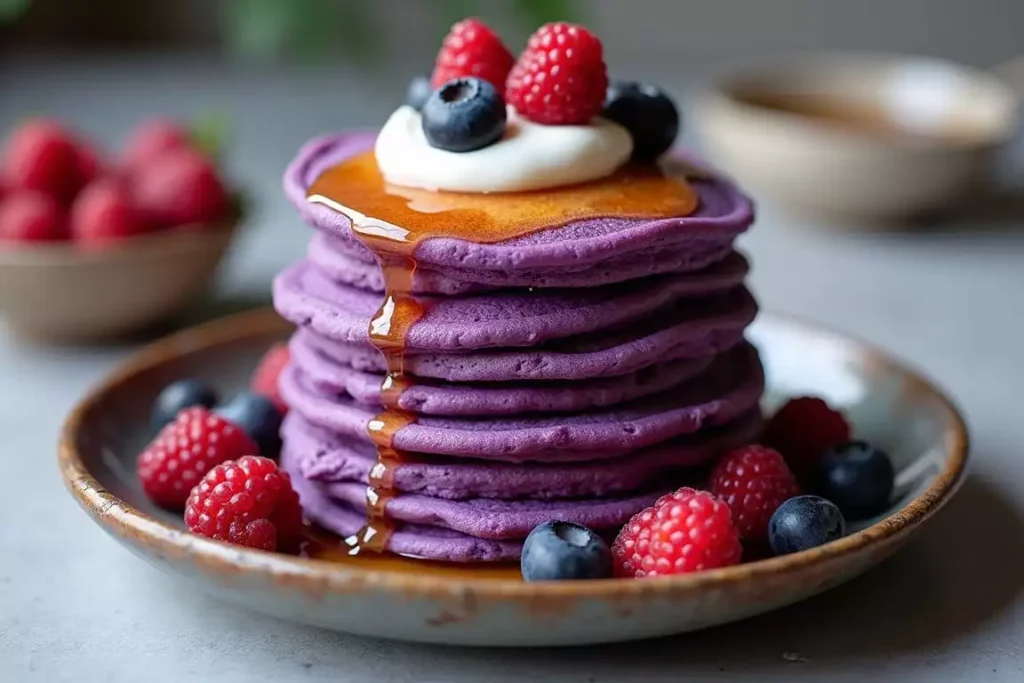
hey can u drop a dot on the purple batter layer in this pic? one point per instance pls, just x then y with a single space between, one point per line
329 255
306 296
686 329
432 397
724 213
497 519
354 265
426 542
328 457
730 387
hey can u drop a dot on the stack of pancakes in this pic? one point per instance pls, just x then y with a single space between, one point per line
575 373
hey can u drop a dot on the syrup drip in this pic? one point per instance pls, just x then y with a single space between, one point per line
391 221
322 545
389 328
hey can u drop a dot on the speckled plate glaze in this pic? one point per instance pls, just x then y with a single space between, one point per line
888 403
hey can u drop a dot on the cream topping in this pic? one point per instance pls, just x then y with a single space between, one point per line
530 156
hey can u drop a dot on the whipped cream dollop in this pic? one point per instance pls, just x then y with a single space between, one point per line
530 156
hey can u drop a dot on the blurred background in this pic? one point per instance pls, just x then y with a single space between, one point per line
976 31
282 71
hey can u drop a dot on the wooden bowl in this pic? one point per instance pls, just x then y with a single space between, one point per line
60 293
858 137
410 600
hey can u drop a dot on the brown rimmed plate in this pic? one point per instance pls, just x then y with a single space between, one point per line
887 402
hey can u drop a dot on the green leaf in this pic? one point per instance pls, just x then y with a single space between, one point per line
359 31
11 10
534 13
209 134
307 29
256 28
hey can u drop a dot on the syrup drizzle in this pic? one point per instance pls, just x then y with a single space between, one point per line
391 221
388 331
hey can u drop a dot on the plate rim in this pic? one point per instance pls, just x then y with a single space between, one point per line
119 518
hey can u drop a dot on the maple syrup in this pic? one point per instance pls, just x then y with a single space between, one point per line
392 220
323 545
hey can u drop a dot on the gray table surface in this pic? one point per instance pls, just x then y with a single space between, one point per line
75 606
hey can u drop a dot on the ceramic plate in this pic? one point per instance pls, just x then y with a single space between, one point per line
887 403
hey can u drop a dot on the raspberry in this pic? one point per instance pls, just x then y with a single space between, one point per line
560 77
264 379
27 216
685 531
152 138
802 430
185 450
88 164
40 155
471 48
249 502
105 213
753 481
180 187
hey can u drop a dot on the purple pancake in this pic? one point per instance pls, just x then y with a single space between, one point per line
432 397
685 329
354 265
724 213
304 295
426 542
730 387
497 519
327 254
574 373
328 457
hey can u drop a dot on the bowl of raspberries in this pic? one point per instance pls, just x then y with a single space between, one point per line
96 246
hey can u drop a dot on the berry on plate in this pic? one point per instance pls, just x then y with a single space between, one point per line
180 187
560 78
804 522
647 113
264 378
177 396
753 481
802 430
556 551
40 155
152 138
249 502
471 48
104 213
464 114
418 91
187 449
685 531
28 216
858 477
258 417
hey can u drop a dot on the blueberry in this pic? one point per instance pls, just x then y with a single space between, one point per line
177 396
464 114
804 522
258 417
858 477
418 92
647 113
562 550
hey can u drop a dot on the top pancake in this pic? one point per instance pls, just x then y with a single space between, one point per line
540 258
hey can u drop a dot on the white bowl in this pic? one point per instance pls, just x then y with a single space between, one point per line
936 128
